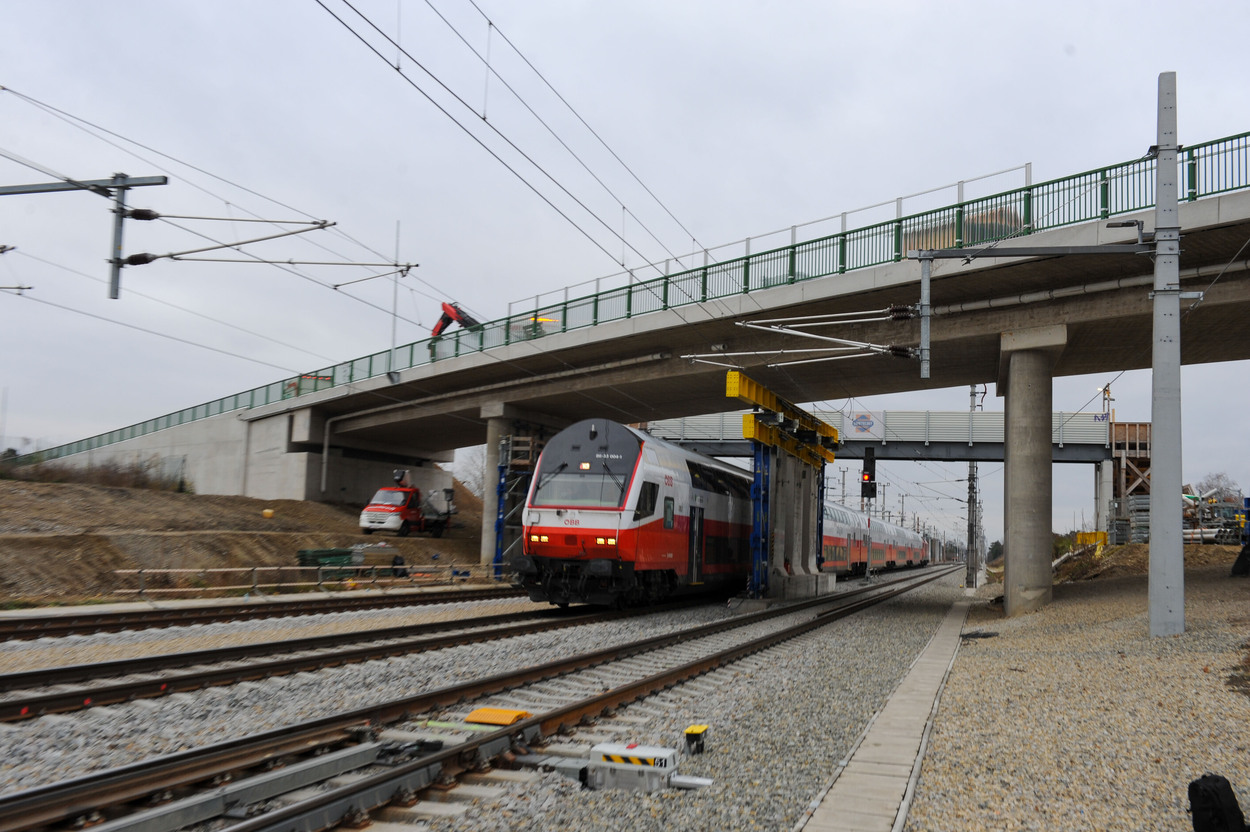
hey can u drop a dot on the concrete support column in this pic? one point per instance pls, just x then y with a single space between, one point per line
1026 362
497 427
782 526
807 528
793 504
1105 474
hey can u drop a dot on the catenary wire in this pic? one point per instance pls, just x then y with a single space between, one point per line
154 299
587 126
79 122
296 272
485 147
153 332
491 71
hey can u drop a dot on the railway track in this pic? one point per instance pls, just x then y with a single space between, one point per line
396 772
33 693
86 622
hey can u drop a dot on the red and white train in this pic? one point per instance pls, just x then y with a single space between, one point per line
616 516
845 538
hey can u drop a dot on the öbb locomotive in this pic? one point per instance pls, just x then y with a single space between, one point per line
615 516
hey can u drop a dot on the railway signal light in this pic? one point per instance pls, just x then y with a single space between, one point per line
868 479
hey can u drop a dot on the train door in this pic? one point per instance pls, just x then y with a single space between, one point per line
694 575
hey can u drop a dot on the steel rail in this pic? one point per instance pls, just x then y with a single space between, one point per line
73 673
351 802
50 626
72 799
394 641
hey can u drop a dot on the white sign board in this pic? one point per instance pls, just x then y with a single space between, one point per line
864 424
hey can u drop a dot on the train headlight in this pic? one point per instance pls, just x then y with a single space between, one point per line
544 538
533 538
611 541
599 540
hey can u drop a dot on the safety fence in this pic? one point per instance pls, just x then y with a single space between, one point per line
1205 169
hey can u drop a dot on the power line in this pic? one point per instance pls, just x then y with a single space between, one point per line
157 334
181 308
491 71
493 129
687 231
489 150
83 124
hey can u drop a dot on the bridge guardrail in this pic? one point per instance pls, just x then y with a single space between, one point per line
1206 169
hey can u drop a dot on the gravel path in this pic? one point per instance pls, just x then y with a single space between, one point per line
1073 718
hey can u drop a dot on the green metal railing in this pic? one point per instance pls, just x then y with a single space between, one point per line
1205 169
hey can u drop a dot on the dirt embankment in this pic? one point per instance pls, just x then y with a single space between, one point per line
62 542
1129 559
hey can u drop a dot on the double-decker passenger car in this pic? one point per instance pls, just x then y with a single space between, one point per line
615 516
848 534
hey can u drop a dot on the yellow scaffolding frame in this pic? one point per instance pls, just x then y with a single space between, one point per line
814 453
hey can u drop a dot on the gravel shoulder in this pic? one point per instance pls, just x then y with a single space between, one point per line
1074 718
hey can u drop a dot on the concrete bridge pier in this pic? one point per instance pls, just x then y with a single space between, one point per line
497 427
1027 358
1105 474
793 572
502 420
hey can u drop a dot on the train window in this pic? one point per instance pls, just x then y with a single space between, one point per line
739 488
668 512
647 498
573 472
697 478
706 478
592 490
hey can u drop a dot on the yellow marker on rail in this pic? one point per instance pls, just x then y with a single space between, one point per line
497 716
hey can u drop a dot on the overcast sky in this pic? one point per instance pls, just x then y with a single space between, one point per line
741 118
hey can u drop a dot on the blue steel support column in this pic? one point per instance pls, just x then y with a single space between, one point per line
759 520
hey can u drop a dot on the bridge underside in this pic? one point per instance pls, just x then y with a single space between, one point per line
633 370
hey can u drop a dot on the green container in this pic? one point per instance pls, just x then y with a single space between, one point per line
330 557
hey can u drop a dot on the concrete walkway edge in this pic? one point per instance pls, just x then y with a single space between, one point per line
873 786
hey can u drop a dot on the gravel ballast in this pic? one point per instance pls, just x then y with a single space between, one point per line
780 722
1068 718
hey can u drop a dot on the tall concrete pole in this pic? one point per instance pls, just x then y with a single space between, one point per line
119 219
392 370
1167 560
971 565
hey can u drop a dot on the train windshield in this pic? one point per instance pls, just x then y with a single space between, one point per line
587 465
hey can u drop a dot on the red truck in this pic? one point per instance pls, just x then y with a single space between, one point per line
400 509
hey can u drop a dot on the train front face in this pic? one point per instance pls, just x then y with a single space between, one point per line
575 517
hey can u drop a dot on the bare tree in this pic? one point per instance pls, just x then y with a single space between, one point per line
1221 483
469 468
